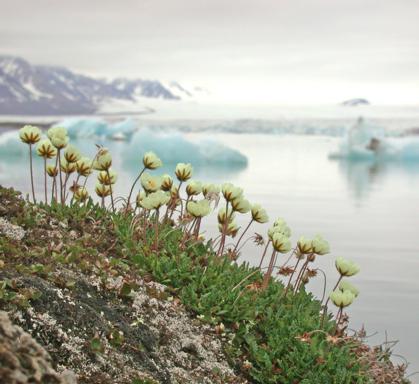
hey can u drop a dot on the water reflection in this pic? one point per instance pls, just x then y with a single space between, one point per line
364 177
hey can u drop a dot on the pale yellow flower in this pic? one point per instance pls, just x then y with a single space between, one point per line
230 191
259 214
30 134
281 243
183 171
72 154
241 205
194 188
346 267
198 208
103 160
342 299
45 149
67 167
102 190
166 182
84 166
107 179
347 286
81 194
320 245
150 183
52 170
155 200
151 160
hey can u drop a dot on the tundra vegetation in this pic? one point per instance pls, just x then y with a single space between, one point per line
273 329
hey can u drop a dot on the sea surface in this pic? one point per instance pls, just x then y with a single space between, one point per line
367 209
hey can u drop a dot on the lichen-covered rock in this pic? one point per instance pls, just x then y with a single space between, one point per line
107 333
10 230
23 360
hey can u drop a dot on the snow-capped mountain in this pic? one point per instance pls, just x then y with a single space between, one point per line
48 90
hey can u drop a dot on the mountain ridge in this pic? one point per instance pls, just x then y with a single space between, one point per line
27 89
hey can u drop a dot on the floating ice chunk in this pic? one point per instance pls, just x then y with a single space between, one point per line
173 148
98 128
366 142
11 146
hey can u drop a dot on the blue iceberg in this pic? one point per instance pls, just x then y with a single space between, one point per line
173 148
98 128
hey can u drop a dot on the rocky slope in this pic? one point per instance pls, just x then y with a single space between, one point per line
93 316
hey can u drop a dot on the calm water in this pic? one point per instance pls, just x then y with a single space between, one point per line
368 212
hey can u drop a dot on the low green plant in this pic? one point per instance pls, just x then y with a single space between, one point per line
277 331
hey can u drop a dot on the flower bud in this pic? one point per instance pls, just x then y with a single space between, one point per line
151 161
45 149
183 171
30 134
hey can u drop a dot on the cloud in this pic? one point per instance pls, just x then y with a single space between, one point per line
224 44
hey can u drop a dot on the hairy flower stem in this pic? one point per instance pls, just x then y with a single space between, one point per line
103 202
339 316
328 299
67 176
61 176
76 183
197 227
264 254
292 275
31 171
45 180
224 233
156 230
54 189
269 271
241 237
133 185
110 188
301 273
299 281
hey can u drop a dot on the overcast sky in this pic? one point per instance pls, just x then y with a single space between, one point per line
265 51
